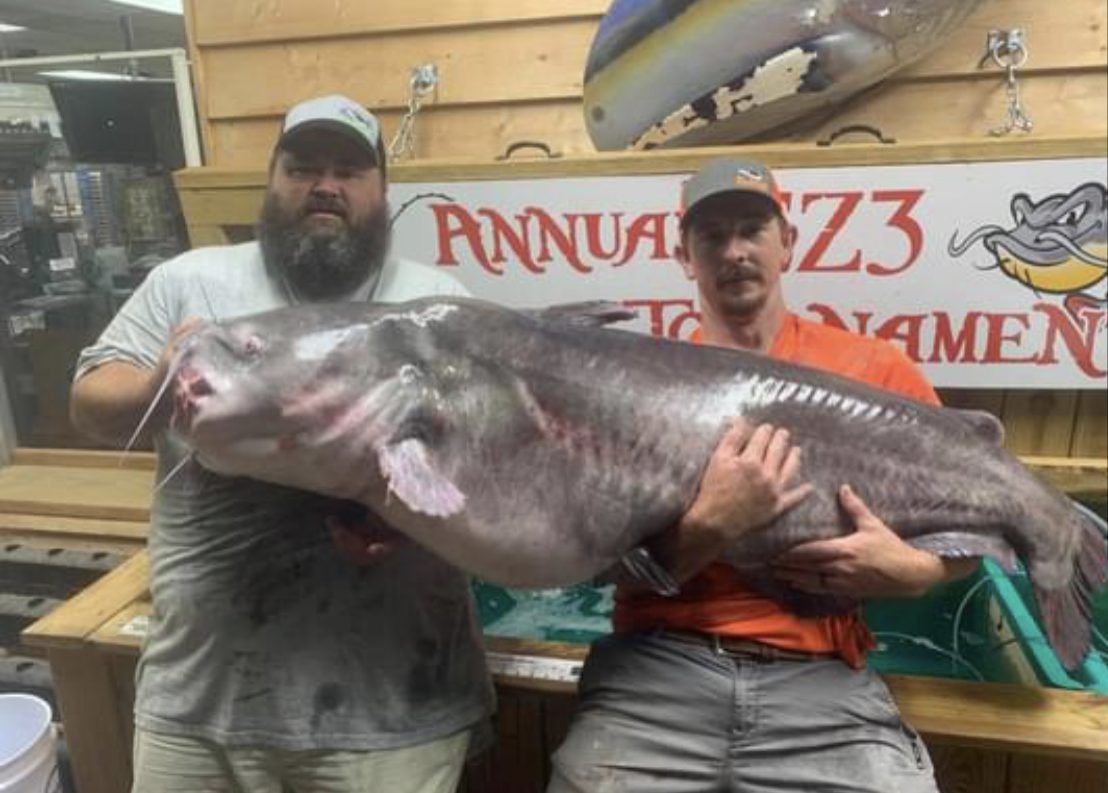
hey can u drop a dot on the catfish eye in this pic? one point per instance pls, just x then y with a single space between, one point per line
1074 216
252 346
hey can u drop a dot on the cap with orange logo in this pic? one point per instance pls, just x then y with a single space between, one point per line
729 175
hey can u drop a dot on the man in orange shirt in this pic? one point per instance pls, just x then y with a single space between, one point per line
719 688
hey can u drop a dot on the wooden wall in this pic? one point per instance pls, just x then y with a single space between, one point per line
512 70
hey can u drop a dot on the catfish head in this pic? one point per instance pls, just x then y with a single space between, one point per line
281 396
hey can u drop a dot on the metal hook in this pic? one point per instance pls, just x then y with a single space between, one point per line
423 80
1008 51
1003 44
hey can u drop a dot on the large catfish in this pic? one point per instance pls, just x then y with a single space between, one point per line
534 449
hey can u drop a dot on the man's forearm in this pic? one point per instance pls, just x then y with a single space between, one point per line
682 551
686 549
108 402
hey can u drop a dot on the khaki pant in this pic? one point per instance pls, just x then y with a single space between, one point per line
181 764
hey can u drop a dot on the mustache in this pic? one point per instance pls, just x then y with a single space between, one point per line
331 205
739 273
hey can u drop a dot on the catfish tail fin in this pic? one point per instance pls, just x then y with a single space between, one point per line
1067 612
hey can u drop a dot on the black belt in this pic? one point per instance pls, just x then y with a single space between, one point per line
742 648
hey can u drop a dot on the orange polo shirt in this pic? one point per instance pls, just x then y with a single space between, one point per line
716 600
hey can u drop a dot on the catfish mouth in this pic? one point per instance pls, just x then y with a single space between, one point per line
217 417
190 388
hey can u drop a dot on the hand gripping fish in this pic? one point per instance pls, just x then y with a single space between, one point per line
536 448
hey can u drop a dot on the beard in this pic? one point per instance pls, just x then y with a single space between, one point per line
322 264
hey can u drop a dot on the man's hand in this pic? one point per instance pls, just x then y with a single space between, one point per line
747 483
108 402
159 417
871 562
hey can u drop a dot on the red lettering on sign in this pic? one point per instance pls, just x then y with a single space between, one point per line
947 346
906 329
848 202
502 232
902 220
1079 341
592 234
451 220
646 228
996 337
565 242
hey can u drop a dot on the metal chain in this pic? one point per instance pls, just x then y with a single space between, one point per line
1008 51
424 80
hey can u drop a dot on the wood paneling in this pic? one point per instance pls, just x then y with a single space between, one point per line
513 70
256 21
962 770
1090 431
1063 36
1060 104
1039 422
509 64
230 23
472 132
209 182
1031 774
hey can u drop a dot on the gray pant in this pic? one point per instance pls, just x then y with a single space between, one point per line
660 715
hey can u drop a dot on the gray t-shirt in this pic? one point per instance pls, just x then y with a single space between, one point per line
262 632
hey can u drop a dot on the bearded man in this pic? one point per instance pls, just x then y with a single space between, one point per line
273 660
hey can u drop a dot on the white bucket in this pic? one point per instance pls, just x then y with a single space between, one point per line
28 746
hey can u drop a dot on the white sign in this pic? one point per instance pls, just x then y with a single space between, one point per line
987 274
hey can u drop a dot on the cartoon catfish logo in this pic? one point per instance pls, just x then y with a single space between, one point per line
1058 246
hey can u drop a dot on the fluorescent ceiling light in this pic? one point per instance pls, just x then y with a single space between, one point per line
6 28
85 74
165 6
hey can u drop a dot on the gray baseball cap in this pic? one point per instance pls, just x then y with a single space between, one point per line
340 114
729 175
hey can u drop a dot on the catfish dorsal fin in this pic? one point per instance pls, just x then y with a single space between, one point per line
985 425
592 313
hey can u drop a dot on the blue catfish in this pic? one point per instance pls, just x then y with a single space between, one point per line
536 448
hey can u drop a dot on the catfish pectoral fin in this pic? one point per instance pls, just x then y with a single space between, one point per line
411 475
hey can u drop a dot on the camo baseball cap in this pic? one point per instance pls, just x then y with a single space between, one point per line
340 114
729 175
